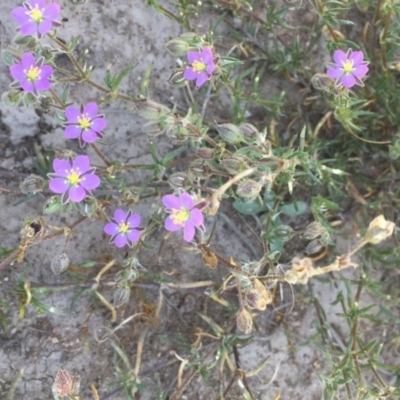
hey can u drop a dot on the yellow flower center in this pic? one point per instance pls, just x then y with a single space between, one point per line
36 15
73 178
123 228
84 122
33 74
179 217
198 66
348 67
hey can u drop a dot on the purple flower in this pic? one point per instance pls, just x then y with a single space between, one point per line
350 67
183 214
124 228
73 179
202 66
31 74
36 17
84 124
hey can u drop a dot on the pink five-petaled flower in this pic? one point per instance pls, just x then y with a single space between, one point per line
183 214
350 67
73 179
84 124
202 66
124 228
36 17
31 74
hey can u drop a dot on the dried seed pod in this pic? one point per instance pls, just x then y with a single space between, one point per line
205 153
258 297
121 296
180 180
234 165
59 263
248 189
378 230
210 259
198 169
313 230
249 132
244 321
302 269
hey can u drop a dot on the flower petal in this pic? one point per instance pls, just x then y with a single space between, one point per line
77 193
111 228
186 200
201 79
207 55
340 57
170 226
27 60
188 231
190 75
28 86
360 71
90 181
72 114
193 56
61 167
19 14
91 109
120 216
46 71
196 216
40 3
348 81
44 27
210 68
42 84
121 241
89 136
81 163
72 132
134 235
134 221
171 201
98 124
17 72
58 185
357 57
51 11
28 29
334 73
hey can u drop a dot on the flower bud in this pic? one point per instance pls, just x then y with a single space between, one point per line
11 98
121 296
198 169
313 230
230 133
205 153
378 230
177 134
283 232
249 132
234 165
314 247
59 263
151 110
244 321
177 47
248 188
32 184
180 180
177 79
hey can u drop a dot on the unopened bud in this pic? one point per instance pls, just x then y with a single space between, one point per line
314 247
249 132
283 232
313 230
234 165
322 82
177 134
11 98
230 133
59 263
378 230
248 188
177 79
198 169
180 180
205 153
151 110
156 128
177 47
121 296
244 321
32 184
